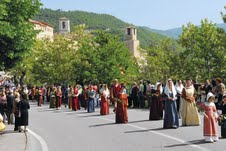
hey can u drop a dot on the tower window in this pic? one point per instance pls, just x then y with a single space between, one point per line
63 25
134 31
128 31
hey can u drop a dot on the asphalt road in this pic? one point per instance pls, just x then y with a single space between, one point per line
65 130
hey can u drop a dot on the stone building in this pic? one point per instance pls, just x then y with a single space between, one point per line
131 41
46 30
64 25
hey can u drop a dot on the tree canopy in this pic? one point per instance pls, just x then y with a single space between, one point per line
83 56
16 33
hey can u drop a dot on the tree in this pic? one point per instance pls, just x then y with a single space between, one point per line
162 61
80 55
224 15
204 55
16 33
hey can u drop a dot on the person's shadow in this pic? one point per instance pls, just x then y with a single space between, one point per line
194 142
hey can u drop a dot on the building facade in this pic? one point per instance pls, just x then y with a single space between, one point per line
46 30
131 41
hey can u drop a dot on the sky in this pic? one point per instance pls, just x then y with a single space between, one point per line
156 14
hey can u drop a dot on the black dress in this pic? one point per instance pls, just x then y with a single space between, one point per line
23 108
223 126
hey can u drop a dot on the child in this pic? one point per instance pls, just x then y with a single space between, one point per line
210 112
223 124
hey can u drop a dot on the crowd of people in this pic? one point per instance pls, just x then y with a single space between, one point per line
14 106
168 101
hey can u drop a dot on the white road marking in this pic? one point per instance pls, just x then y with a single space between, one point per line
44 145
155 132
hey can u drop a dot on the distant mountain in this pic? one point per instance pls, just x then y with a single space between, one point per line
98 21
176 32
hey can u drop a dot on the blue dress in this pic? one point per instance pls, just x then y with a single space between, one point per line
171 118
91 102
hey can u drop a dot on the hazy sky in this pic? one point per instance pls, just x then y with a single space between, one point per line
157 14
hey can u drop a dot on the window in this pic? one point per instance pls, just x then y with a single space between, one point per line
128 31
63 25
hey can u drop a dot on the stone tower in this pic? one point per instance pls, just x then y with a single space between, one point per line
131 41
64 25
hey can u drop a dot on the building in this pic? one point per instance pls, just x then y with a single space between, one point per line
64 25
131 41
46 30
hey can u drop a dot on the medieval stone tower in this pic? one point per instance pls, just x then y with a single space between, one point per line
131 41
64 25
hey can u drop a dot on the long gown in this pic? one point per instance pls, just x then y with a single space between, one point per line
156 108
210 127
104 106
121 115
190 115
52 103
91 103
171 118
24 107
76 101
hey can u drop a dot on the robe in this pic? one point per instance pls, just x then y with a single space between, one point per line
121 114
76 101
156 108
104 106
210 126
190 115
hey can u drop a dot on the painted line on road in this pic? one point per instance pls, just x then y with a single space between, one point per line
158 133
44 145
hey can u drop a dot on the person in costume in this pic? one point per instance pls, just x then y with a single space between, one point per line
179 87
52 103
24 106
223 118
171 118
91 102
75 99
156 109
58 98
190 115
104 105
210 118
121 114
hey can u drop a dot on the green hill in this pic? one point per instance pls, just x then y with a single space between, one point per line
97 21
176 32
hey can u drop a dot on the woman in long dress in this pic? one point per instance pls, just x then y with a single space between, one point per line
52 103
91 103
104 106
23 108
190 115
171 118
179 87
156 109
121 114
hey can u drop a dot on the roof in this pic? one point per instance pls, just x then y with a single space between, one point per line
40 23
130 27
63 18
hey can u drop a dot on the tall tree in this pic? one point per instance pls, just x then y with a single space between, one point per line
16 33
205 51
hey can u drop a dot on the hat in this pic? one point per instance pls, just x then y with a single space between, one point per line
209 95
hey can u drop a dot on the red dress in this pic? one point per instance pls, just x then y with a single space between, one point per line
104 106
210 126
121 109
76 101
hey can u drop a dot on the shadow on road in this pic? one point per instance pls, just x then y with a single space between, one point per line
194 142
146 130
138 121
99 125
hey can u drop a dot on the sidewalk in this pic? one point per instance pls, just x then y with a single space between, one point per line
12 141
